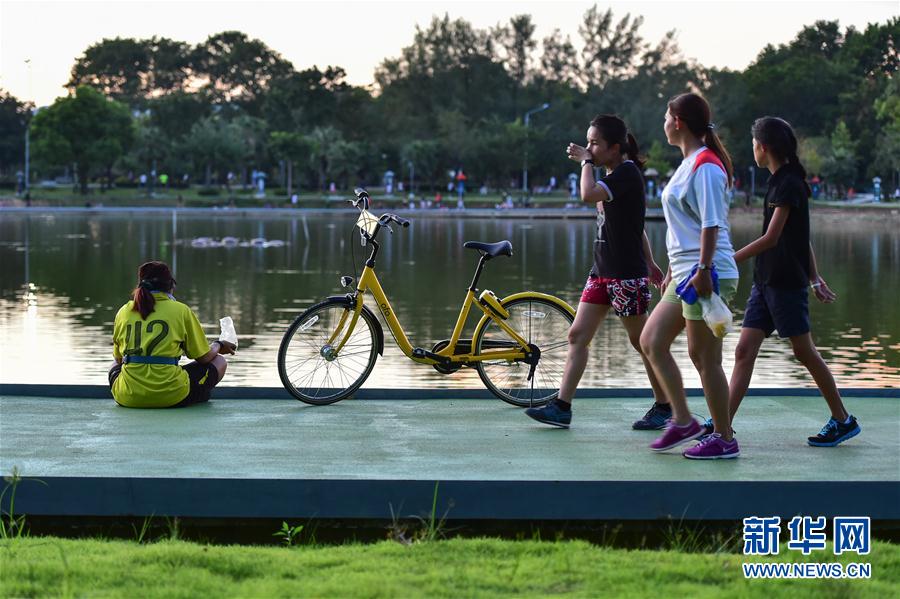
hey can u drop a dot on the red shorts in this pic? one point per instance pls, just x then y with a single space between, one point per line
628 297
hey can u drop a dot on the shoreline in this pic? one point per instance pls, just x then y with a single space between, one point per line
889 215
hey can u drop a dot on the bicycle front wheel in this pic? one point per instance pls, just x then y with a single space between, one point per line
541 323
309 364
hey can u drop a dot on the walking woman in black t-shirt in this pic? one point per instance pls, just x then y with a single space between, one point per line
784 271
623 263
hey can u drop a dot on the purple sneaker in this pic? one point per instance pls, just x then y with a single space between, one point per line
676 435
713 447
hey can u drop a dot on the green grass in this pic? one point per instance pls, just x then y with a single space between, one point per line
46 566
193 198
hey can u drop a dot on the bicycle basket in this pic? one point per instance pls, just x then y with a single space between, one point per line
367 222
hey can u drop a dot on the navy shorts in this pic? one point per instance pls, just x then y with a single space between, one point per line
785 310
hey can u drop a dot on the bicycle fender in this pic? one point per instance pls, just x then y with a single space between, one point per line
544 296
524 294
347 300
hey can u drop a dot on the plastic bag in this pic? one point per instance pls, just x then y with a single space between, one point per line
716 314
228 334
686 291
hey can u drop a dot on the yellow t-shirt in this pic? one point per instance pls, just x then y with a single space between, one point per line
170 330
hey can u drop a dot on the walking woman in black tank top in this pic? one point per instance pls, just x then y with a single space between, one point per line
623 267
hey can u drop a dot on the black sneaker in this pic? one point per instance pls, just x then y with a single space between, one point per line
551 414
655 419
834 433
709 428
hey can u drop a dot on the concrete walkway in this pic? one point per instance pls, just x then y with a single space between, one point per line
422 441
428 439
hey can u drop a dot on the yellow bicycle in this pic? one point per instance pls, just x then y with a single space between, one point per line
518 346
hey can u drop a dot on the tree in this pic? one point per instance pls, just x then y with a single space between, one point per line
115 67
321 141
840 166
887 153
610 51
14 116
315 98
290 147
345 162
174 114
151 148
86 128
426 157
133 70
238 69
518 43
559 61
813 151
216 144
658 159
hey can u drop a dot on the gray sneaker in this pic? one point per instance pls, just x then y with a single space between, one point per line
655 419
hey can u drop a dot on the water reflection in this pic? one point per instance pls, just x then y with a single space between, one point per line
64 275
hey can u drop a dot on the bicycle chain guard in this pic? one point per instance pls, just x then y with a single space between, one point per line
463 346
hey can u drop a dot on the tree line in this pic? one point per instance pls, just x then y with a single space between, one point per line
454 98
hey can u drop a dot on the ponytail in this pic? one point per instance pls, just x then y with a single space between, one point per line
694 111
143 300
715 144
152 276
613 131
633 151
777 135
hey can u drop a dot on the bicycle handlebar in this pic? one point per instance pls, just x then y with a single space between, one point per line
362 199
393 217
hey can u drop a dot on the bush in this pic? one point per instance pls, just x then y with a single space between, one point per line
208 191
125 182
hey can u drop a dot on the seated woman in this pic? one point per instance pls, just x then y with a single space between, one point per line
150 333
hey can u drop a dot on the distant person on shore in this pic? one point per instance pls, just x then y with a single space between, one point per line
623 266
695 204
150 333
783 273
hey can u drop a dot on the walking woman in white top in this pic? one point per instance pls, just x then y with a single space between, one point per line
695 204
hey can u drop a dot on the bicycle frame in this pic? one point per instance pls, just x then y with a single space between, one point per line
368 282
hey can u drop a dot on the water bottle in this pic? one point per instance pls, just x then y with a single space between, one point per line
227 331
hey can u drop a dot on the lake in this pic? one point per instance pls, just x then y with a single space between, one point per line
65 274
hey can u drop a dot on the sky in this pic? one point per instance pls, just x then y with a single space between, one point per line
359 35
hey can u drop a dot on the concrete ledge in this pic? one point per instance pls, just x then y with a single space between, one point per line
459 500
102 392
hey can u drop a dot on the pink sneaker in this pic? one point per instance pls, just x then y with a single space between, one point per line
676 435
713 447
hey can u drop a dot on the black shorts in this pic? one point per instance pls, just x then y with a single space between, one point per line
201 388
770 308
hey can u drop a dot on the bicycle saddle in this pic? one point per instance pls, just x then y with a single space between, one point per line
501 248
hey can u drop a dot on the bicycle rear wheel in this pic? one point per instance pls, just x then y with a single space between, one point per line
310 368
540 322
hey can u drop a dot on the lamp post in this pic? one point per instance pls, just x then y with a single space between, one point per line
28 140
527 119
752 184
